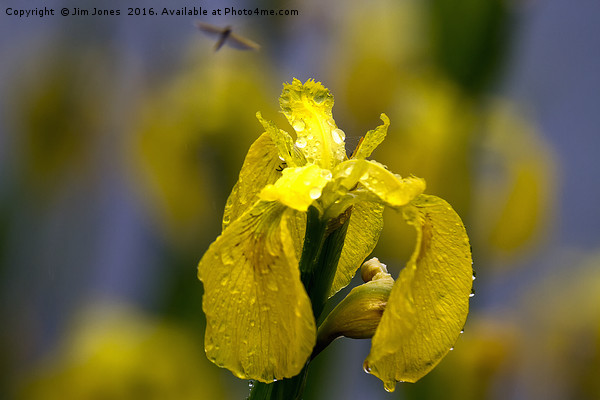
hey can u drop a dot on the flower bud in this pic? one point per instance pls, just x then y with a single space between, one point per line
358 314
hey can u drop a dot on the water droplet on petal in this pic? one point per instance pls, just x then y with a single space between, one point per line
331 122
281 158
338 136
389 386
301 142
366 367
451 348
298 125
325 173
250 384
319 98
315 193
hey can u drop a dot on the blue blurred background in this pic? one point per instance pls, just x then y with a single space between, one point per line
121 137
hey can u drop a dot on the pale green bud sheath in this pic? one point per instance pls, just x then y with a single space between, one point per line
358 315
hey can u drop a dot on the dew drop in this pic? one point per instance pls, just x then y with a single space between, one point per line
301 142
325 173
472 295
281 158
462 331
451 348
298 125
331 122
251 384
338 136
315 193
390 386
319 98
366 367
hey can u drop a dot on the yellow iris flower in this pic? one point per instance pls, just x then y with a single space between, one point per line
301 219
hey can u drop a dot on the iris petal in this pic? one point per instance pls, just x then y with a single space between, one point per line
366 222
429 302
298 187
372 139
260 168
308 109
259 321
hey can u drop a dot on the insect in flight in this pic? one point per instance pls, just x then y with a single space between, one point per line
225 35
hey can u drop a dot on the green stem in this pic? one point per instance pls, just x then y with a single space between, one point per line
320 255
285 389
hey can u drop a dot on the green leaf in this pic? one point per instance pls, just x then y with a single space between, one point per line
429 302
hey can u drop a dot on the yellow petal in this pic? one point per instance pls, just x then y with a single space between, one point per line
298 187
390 188
372 139
259 321
260 168
366 222
308 109
382 185
284 142
429 302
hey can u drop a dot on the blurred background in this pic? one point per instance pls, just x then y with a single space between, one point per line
121 137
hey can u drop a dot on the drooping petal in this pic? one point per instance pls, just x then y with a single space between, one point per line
260 168
366 222
429 302
298 187
259 321
308 109
382 185
390 188
372 139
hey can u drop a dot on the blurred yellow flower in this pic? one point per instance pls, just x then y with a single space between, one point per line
116 352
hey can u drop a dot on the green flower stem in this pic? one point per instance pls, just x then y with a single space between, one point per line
285 389
320 255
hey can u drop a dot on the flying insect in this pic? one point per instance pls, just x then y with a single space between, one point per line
225 35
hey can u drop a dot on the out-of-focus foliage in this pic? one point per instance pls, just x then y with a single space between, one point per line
516 182
468 40
116 352
438 124
189 143
485 353
59 112
549 349
560 348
